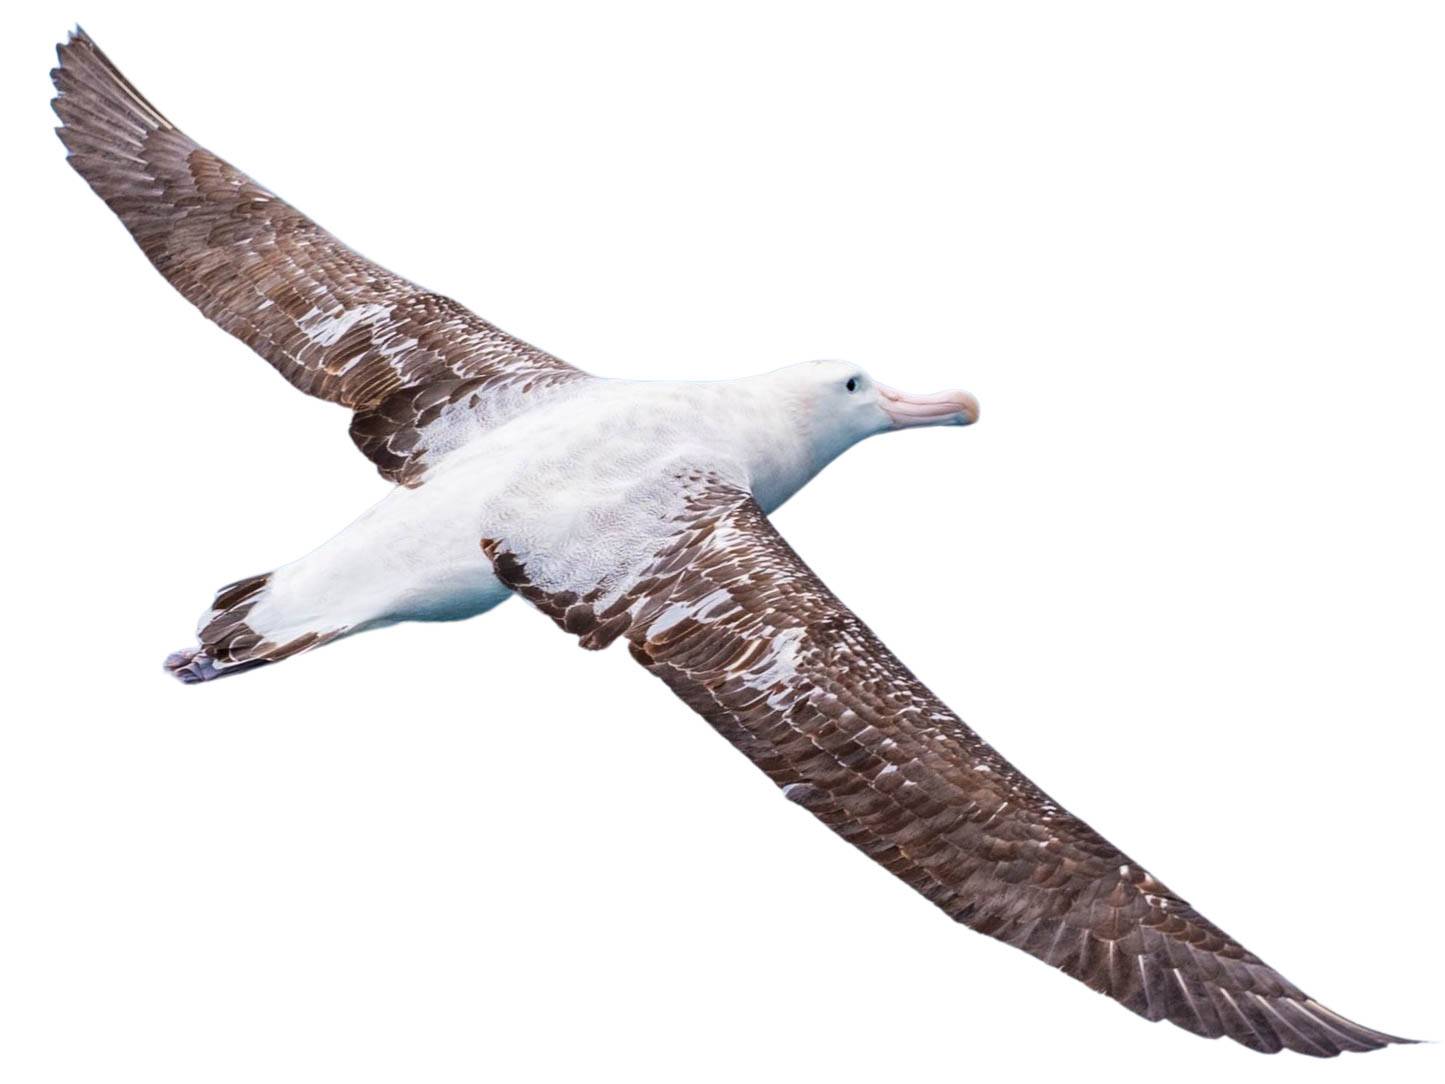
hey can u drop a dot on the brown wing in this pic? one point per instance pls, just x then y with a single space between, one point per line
333 323
742 630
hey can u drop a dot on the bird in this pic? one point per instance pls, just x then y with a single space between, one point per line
638 511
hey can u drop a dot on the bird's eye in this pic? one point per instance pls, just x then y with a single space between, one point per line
852 384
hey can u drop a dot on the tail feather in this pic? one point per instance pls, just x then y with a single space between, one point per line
228 642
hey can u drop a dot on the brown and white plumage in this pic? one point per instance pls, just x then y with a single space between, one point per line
334 324
743 631
638 511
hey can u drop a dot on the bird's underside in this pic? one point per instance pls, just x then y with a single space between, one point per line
708 597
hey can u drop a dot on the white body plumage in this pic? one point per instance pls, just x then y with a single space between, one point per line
577 478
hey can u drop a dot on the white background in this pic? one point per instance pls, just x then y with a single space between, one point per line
1186 572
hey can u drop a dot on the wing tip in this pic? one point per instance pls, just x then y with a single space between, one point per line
1266 1023
1272 1024
66 52
75 34
83 70
1333 1022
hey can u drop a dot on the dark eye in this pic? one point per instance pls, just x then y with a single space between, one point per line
852 384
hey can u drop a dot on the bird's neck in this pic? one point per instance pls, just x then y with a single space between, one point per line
772 439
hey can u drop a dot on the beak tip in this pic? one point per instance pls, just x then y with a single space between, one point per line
969 414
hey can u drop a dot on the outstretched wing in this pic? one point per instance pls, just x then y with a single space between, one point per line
420 369
739 627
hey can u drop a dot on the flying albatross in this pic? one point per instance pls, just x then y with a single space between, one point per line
639 511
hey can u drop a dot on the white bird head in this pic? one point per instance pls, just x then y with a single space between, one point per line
806 415
841 404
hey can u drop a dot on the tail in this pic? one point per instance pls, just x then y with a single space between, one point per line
228 642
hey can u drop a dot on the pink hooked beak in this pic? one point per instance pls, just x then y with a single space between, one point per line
940 408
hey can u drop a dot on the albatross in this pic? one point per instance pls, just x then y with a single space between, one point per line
638 511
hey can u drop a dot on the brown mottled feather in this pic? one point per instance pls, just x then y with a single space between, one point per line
739 627
334 324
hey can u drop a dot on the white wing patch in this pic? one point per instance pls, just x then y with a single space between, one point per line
326 328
